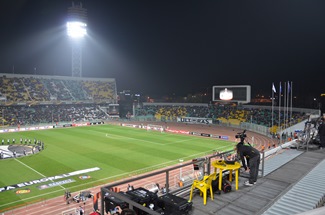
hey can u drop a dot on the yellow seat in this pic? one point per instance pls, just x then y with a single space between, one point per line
203 185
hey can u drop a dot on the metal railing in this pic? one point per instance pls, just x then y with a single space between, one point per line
205 168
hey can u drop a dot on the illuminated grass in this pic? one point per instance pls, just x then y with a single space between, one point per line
117 151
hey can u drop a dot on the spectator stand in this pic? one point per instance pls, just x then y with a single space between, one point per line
253 118
31 99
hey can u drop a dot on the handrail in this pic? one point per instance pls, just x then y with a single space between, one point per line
109 188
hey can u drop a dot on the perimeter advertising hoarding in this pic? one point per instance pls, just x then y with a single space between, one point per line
194 120
232 93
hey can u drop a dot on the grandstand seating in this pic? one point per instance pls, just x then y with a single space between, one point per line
29 99
227 114
31 91
171 112
76 90
99 90
37 114
28 88
35 89
58 90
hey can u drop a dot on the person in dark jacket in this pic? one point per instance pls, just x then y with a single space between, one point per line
321 132
248 153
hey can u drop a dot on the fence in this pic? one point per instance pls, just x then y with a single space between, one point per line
177 179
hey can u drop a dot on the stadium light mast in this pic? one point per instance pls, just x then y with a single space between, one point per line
76 30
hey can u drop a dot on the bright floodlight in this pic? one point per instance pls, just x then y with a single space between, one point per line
76 29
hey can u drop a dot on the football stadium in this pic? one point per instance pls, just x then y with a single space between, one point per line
75 145
65 135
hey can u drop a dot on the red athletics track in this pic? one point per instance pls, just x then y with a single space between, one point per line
57 205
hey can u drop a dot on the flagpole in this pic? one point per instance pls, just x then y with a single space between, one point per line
291 103
272 103
284 104
288 97
280 91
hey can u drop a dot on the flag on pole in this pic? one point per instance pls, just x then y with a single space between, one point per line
288 120
279 131
273 88
273 91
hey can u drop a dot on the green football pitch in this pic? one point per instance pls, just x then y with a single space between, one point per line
101 154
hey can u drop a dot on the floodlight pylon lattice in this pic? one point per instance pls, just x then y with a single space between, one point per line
76 58
76 30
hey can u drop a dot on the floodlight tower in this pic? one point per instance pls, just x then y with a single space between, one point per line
76 30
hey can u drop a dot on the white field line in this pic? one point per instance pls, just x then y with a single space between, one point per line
115 136
163 144
34 170
120 137
103 179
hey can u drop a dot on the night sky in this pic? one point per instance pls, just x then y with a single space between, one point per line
159 47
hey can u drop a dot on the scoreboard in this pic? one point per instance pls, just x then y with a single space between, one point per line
232 93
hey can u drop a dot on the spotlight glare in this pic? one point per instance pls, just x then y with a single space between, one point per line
226 94
76 29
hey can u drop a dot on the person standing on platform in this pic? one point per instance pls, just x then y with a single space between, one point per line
321 132
249 153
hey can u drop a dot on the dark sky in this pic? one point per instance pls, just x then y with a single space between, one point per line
173 46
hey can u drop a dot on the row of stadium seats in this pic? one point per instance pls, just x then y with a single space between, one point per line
223 113
40 89
50 114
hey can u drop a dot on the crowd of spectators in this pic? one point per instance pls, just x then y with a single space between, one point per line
12 89
40 89
30 115
58 90
35 89
99 90
171 112
32 90
220 113
26 114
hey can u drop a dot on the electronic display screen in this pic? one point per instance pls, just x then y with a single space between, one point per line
232 93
